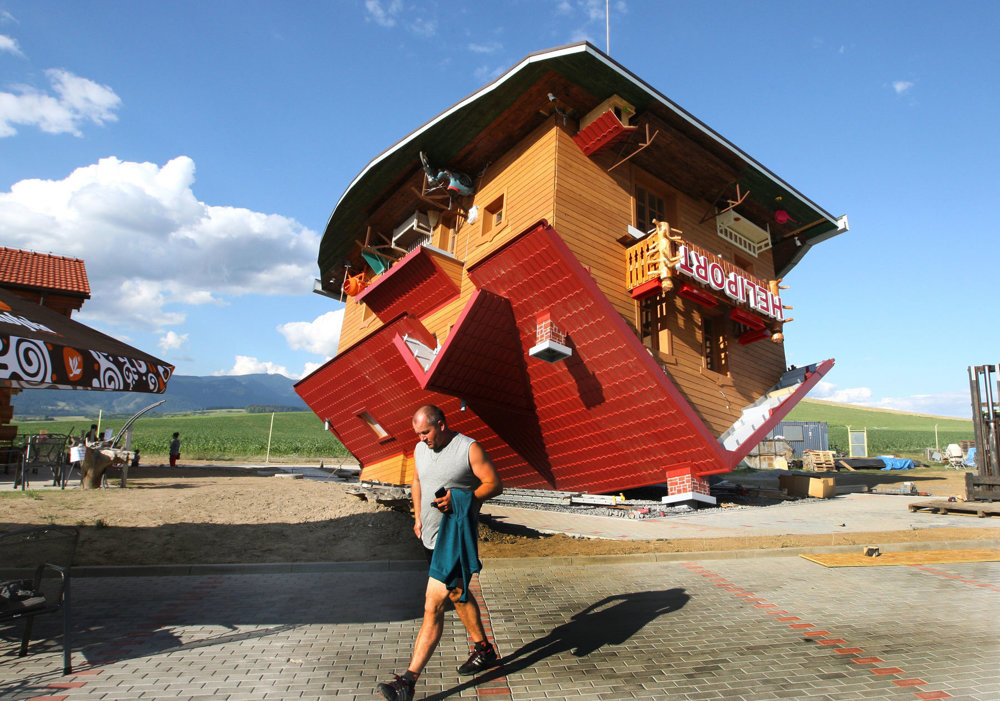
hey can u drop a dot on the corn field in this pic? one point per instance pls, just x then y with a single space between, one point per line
216 436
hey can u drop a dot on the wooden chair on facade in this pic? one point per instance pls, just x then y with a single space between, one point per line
35 580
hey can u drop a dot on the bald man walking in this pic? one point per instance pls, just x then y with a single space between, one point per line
454 476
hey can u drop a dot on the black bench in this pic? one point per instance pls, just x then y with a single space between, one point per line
34 579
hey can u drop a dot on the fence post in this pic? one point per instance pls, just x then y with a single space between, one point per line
267 458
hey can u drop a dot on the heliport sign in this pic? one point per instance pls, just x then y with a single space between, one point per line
735 286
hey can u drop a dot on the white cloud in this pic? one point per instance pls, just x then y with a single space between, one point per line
829 392
384 15
136 301
902 86
6 17
150 246
9 45
487 73
590 14
76 101
593 9
389 14
248 365
310 368
172 340
319 336
944 404
423 27
490 48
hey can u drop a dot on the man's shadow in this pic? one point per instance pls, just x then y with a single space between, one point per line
610 621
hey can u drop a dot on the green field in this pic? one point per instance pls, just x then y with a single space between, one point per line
889 432
218 435
237 435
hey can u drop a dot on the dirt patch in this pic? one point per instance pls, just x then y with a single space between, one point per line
226 515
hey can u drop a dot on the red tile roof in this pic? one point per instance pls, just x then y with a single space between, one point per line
43 271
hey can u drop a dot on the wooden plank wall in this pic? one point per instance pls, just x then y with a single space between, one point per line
525 176
359 321
546 176
591 210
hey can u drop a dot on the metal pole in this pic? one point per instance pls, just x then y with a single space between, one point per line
268 457
25 457
607 27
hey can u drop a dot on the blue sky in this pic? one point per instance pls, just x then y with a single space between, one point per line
191 152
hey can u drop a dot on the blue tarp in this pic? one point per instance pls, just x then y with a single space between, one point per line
970 457
896 463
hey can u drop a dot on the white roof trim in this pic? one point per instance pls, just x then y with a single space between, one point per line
582 47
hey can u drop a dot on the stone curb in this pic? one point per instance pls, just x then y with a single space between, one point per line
502 562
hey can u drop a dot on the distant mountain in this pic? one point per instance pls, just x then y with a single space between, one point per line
184 393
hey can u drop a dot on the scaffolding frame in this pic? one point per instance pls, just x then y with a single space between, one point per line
984 385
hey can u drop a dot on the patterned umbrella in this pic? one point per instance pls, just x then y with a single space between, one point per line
41 348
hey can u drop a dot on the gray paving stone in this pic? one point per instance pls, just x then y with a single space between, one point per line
641 630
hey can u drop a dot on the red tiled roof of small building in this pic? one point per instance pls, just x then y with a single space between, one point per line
43 271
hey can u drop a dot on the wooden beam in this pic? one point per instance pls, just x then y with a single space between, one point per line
431 201
649 140
802 228
709 214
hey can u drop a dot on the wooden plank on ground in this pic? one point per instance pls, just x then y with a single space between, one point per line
982 509
913 557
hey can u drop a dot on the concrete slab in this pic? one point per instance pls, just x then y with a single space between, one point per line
847 513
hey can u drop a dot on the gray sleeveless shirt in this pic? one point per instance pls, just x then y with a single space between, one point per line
448 468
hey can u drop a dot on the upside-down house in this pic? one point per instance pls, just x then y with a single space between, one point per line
580 273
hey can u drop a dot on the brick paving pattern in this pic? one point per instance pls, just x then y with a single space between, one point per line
767 628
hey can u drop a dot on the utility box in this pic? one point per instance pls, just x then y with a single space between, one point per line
801 436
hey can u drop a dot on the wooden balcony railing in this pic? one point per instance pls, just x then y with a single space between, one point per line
642 262
655 256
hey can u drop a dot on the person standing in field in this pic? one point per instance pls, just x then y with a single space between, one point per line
453 477
175 449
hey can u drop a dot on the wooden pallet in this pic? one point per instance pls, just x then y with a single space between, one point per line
818 461
982 509
981 487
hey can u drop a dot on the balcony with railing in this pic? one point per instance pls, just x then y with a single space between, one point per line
665 261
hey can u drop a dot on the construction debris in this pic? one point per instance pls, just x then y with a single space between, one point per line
818 461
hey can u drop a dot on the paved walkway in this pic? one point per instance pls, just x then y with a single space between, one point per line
645 627
721 629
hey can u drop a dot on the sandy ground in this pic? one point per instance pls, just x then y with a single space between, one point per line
224 515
